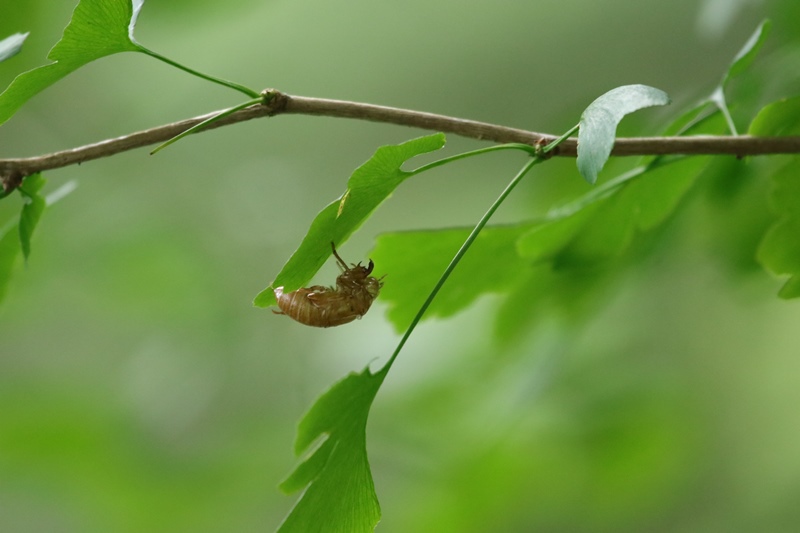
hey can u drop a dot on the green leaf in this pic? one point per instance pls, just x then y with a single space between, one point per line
748 53
599 121
588 232
790 289
546 240
779 251
98 28
341 495
602 225
740 63
11 45
371 184
781 118
31 210
9 249
418 258
16 235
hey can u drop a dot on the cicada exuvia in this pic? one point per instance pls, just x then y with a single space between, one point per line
324 307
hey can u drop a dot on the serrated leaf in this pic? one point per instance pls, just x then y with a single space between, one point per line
98 28
340 497
599 121
749 51
418 259
34 204
370 184
11 45
781 118
779 251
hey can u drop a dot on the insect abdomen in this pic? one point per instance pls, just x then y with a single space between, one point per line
319 306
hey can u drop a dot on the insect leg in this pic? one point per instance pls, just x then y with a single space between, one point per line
339 260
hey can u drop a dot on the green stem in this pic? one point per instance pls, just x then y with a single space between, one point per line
232 85
206 122
718 98
533 150
535 160
457 258
510 146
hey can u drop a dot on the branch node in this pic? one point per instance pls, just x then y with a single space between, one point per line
274 100
541 144
11 181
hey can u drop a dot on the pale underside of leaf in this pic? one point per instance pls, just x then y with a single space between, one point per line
599 121
11 45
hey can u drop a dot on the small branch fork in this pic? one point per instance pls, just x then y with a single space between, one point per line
277 103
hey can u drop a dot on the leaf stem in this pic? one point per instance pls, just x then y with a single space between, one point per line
510 146
230 84
535 160
532 150
219 116
457 258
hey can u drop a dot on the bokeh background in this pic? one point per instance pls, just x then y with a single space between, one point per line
141 391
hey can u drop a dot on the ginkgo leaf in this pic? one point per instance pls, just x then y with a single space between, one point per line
779 251
11 45
418 259
339 492
778 118
15 236
598 125
98 28
745 57
9 250
370 184
31 211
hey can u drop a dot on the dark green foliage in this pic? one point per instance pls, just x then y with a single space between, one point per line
16 236
780 249
31 211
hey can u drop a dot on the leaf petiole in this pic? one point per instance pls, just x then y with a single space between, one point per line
225 83
510 146
197 127
538 157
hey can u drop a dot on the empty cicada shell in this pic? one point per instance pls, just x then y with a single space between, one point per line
324 307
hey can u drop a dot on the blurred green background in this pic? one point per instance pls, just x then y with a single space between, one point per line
140 391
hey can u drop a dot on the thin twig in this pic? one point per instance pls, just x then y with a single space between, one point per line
280 103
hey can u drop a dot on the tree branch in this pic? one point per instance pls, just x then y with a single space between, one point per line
280 103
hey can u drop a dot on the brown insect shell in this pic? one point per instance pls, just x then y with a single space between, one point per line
325 307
